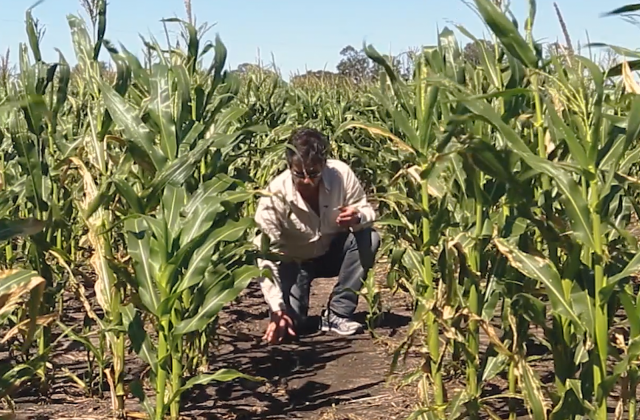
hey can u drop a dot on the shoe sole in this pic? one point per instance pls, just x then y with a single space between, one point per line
343 333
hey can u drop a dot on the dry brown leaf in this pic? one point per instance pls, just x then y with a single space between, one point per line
10 300
97 260
375 131
630 83
42 320
79 289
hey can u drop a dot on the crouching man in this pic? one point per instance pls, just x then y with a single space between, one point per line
318 222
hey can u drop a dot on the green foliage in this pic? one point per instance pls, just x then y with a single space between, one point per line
505 180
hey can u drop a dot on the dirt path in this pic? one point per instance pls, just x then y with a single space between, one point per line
319 376
323 376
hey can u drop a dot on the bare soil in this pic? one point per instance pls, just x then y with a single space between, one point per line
320 376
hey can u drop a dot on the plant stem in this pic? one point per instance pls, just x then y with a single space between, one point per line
176 369
432 325
601 330
161 378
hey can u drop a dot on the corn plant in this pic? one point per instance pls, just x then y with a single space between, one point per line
15 284
178 211
509 157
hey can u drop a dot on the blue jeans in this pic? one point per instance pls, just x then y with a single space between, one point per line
350 257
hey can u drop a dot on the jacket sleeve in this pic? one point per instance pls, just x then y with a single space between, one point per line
268 221
356 198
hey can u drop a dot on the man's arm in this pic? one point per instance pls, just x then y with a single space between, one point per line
269 223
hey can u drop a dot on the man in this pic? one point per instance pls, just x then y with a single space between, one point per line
317 220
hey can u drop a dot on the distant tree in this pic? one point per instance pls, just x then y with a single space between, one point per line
5 68
472 51
356 66
318 77
245 68
106 71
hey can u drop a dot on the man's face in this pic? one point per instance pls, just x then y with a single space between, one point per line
306 175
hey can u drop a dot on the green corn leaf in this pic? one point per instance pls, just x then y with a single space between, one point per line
186 143
129 195
64 76
201 258
577 150
102 28
200 219
222 375
140 73
487 59
543 271
137 391
32 35
183 107
569 406
576 205
173 201
633 123
81 41
414 261
632 311
490 160
458 404
230 116
29 160
219 60
532 389
219 296
629 8
494 366
180 169
616 70
374 129
159 235
213 187
632 268
160 109
136 131
22 372
507 33
140 340
585 308
139 244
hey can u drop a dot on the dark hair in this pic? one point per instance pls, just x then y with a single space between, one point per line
310 145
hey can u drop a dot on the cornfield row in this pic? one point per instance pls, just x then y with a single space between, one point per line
506 188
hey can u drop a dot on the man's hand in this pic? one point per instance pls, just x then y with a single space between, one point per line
279 326
348 217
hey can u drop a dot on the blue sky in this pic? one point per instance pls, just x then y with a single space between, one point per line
306 34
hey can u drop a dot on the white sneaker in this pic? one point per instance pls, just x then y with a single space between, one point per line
339 325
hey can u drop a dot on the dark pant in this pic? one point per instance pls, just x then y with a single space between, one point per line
350 257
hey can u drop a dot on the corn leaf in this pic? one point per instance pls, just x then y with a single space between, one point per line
532 389
136 131
543 271
219 296
507 33
160 109
139 244
140 340
201 258
222 375
173 201
577 208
